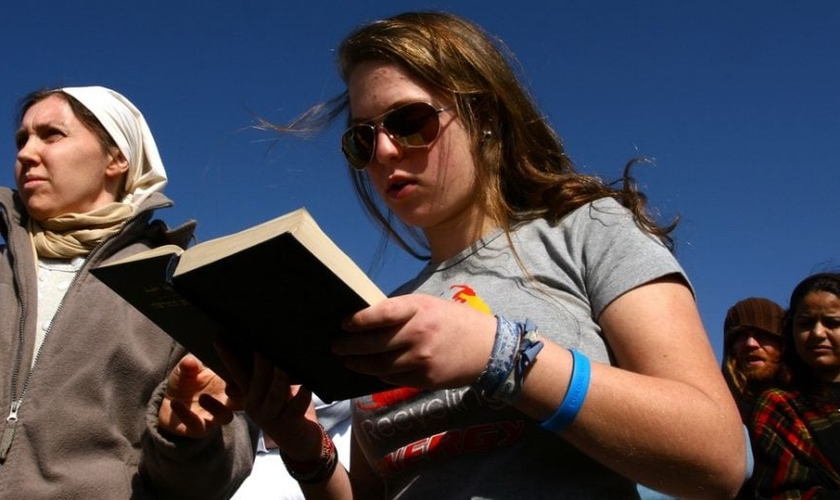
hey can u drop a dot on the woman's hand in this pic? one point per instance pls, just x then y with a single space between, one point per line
419 341
195 401
283 411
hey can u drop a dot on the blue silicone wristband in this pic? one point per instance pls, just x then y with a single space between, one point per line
575 394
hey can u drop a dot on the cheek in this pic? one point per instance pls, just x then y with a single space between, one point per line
377 181
773 353
800 341
17 172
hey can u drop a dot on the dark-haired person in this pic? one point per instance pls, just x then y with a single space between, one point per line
796 432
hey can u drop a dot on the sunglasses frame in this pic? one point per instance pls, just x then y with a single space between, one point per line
377 123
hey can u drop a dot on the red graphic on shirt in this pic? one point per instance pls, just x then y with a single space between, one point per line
466 295
479 438
388 398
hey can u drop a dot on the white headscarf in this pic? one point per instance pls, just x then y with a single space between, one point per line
128 128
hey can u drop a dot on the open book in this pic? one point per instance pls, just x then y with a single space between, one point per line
281 288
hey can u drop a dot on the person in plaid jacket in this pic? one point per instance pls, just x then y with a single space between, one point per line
796 431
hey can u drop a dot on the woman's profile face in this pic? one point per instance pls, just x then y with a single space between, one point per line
816 333
61 167
432 187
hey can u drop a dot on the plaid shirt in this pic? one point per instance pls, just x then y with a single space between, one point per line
786 429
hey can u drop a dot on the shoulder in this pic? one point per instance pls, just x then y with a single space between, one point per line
772 403
605 210
5 195
778 395
157 232
587 223
600 223
606 248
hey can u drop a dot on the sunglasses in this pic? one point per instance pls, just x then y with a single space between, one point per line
414 125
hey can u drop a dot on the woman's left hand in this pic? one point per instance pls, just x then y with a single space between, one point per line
195 401
419 341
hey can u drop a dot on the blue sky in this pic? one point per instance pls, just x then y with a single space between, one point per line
737 102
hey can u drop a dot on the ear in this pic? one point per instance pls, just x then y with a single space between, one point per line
118 165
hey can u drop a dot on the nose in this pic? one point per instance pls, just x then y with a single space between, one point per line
386 149
751 341
820 330
27 153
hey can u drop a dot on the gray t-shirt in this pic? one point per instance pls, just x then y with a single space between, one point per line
456 444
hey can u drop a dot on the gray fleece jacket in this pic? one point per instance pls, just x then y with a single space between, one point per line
87 412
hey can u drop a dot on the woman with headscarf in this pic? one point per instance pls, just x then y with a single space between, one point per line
83 373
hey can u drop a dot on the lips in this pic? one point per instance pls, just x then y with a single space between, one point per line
30 182
399 188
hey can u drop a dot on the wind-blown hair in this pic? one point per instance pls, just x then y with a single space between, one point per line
523 172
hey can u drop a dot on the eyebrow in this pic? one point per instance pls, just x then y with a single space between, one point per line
20 134
394 105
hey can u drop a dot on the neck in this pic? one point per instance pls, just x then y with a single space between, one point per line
451 238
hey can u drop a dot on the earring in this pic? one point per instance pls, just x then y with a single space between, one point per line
486 135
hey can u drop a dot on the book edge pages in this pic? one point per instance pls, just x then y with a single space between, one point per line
218 248
300 224
147 254
310 234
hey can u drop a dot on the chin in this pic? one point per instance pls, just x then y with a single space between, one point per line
764 373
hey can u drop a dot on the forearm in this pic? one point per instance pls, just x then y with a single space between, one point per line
362 484
223 459
660 432
337 487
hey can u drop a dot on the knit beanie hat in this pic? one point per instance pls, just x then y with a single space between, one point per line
754 312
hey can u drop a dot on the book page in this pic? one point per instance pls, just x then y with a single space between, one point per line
147 254
303 227
313 237
218 248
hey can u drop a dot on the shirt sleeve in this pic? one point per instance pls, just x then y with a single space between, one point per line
222 460
615 255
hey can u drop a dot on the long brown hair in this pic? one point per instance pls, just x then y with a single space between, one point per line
522 169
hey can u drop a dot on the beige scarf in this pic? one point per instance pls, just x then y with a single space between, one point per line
72 235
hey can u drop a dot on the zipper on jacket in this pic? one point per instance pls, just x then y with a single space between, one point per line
9 431
11 421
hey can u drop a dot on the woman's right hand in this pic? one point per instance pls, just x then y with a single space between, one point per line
283 411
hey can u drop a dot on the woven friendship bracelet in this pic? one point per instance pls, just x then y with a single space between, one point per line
502 357
529 347
514 350
575 394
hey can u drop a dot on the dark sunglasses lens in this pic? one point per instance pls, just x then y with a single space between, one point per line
414 125
358 145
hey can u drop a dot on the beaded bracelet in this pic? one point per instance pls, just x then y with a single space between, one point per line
575 394
314 471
